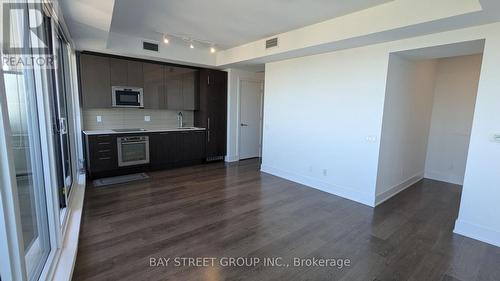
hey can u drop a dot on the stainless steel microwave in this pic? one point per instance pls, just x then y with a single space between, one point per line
127 96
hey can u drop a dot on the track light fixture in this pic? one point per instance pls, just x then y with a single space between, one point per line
167 38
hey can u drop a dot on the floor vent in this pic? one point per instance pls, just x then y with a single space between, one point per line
271 43
214 158
120 179
150 46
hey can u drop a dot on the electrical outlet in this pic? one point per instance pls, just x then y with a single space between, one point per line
147 118
371 138
99 118
496 137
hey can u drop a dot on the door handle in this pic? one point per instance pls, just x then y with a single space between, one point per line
243 125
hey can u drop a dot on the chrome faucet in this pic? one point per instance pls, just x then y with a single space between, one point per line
179 119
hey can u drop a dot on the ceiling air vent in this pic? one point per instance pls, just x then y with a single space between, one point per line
150 46
273 42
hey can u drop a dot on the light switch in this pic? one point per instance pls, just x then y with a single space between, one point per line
147 118
99 118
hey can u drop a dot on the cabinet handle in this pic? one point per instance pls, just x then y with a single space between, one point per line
104 158
103 143
164 133
208 135
208 125
105 150
103 136
208 79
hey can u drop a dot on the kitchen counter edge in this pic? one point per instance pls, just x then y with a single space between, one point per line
111 132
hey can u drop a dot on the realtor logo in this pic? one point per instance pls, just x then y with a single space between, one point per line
25 37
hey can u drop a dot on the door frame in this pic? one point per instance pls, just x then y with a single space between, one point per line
238 114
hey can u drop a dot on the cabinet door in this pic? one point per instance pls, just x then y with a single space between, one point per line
118 72
153 86
192 145
135 76
165 148
217 113
102 153
189 91
95 81
173 86
199 145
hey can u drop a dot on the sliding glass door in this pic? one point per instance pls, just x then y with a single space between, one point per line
23 129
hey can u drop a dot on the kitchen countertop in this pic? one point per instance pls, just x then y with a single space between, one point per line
111 132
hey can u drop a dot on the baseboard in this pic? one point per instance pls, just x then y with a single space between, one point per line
232 158
344 192
474 231
380 198
443 177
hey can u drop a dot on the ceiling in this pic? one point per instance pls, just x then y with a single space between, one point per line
227 23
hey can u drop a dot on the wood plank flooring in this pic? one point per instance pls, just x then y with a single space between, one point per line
219 211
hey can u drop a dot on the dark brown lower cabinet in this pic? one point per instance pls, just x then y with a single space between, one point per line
166 150
193 146
101 151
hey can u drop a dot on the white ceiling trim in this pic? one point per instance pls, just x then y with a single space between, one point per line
390 21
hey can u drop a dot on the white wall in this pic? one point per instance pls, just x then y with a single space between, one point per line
319 110
455 93
322 119
233 108
406 122
479 215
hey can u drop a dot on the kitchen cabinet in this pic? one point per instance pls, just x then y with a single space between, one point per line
173 86
166 150
101 153
192 146
127 73
190 91
164 86
135 75
177 148
181 88
118 72
212 113
95 81
154 97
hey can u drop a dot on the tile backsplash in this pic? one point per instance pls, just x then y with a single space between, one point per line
122 118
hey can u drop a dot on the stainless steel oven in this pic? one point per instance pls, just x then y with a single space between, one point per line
133 150
127 97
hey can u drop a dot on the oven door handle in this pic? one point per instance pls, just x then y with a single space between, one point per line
134 142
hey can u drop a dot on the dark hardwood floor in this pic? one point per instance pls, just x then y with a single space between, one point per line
222 211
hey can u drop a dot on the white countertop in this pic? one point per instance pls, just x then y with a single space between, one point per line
109 132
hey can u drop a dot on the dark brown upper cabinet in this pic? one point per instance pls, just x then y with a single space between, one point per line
126 73
190 91
164 86
154 97
95 81
181 88
135 74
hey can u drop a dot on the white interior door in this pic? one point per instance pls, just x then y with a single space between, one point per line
250 118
